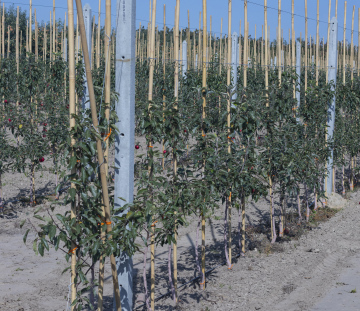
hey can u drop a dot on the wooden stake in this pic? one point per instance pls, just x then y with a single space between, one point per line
8 45
176 95
204 85
150 97
278 41
164 72
246 35
30 28
17 41
220 52
71 61
50 36
98 38
228 119
306 43
3 31
317 43
36 37
344 46
100 154
54 29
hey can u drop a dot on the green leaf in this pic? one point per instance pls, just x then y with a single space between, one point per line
25 235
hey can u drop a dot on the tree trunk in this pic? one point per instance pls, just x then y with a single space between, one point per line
225 233
171 283
147 298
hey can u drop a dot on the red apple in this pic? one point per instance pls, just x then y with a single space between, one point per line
164 151
5 101
41 159
9 120
45 124
137 146
44 135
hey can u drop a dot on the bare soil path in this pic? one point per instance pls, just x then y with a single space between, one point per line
293 276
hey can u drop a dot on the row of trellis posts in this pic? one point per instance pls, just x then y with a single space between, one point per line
229 50
232 51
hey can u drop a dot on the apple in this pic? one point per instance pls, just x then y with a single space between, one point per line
9 120
137 147
44 135
41 159
5 101
164 151
45 124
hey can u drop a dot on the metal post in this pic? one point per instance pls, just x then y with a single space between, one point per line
184 60
125 139
234 62
298 73
88 30
333 46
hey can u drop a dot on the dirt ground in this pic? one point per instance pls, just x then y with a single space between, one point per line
294 275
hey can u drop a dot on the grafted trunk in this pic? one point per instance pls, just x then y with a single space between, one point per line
147 298
273 215
171 283
307 204
225 233
299 204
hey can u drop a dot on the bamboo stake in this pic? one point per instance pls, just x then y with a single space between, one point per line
98 38
17 42
30 28
1 55
176 95
255 51
45 44
228 120
204 85
54 28
71 61
50 37
106 153
293 61
358 52
220 52
150 97
278 40
100 154
27 37
352 78
36 38
306 43
188 43
3 31
246 35
164 72
317 44
336 9
344 46
240 46
8 43
199 45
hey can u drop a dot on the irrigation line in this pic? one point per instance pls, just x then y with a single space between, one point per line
192 280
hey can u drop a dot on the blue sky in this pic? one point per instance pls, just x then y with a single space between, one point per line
218 9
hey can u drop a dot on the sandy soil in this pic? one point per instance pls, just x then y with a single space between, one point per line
287 277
